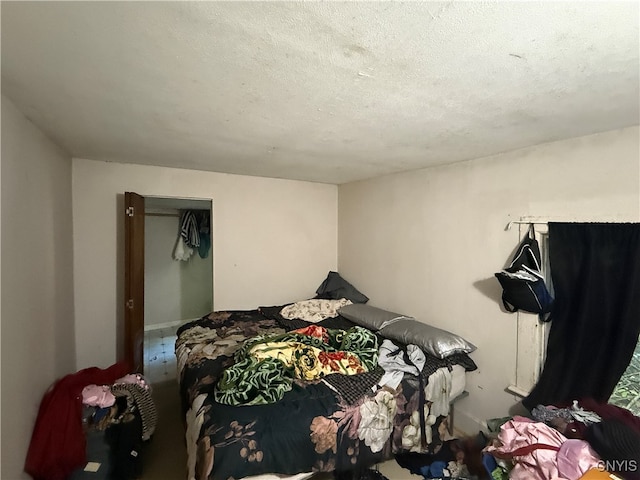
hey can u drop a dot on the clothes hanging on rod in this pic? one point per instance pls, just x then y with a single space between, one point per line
202 218
188 237
194 234
189 229
180 251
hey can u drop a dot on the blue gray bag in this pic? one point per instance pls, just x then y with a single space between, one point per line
523 285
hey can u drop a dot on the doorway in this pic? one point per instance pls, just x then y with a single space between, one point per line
177 281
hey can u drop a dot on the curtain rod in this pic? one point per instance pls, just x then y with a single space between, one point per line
540 222
523 222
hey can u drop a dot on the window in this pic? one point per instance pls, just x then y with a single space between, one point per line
532 334
532 338
627 391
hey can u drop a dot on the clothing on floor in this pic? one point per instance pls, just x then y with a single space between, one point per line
58 444
134 378
97 396
456 458
126 446
539 452
139 398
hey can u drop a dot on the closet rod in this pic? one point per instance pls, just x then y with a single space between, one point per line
162 215
523 222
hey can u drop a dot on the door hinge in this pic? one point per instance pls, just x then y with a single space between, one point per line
129 211
129 304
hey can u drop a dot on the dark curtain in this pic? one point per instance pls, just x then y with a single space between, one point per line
595 270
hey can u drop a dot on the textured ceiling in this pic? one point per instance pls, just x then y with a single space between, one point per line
329 92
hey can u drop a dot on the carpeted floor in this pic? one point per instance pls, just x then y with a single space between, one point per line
165 457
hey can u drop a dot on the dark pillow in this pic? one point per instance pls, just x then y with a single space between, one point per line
370 317
335 287
435 341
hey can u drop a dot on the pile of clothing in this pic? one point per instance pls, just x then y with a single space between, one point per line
458 458
107 405
566 442
125 411
90 399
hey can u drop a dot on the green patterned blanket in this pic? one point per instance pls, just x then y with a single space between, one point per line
266 366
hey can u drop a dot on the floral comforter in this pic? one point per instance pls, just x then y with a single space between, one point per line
324 423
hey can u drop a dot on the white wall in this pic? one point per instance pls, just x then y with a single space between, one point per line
161 272
196 286
426 243
174 291
273 241
37 279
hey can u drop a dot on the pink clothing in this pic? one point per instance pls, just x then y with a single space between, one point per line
98 396
551 455
575 458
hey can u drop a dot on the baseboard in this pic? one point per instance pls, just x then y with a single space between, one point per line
175 323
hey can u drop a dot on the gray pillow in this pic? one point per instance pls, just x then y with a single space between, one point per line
435 341
370 317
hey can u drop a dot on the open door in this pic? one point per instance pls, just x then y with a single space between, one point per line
134 282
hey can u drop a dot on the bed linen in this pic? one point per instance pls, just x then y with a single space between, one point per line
333 422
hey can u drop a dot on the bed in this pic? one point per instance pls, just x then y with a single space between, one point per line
243 419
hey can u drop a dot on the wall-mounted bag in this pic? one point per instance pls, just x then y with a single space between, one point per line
523 286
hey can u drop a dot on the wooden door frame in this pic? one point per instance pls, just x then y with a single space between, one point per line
134 282
134 273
